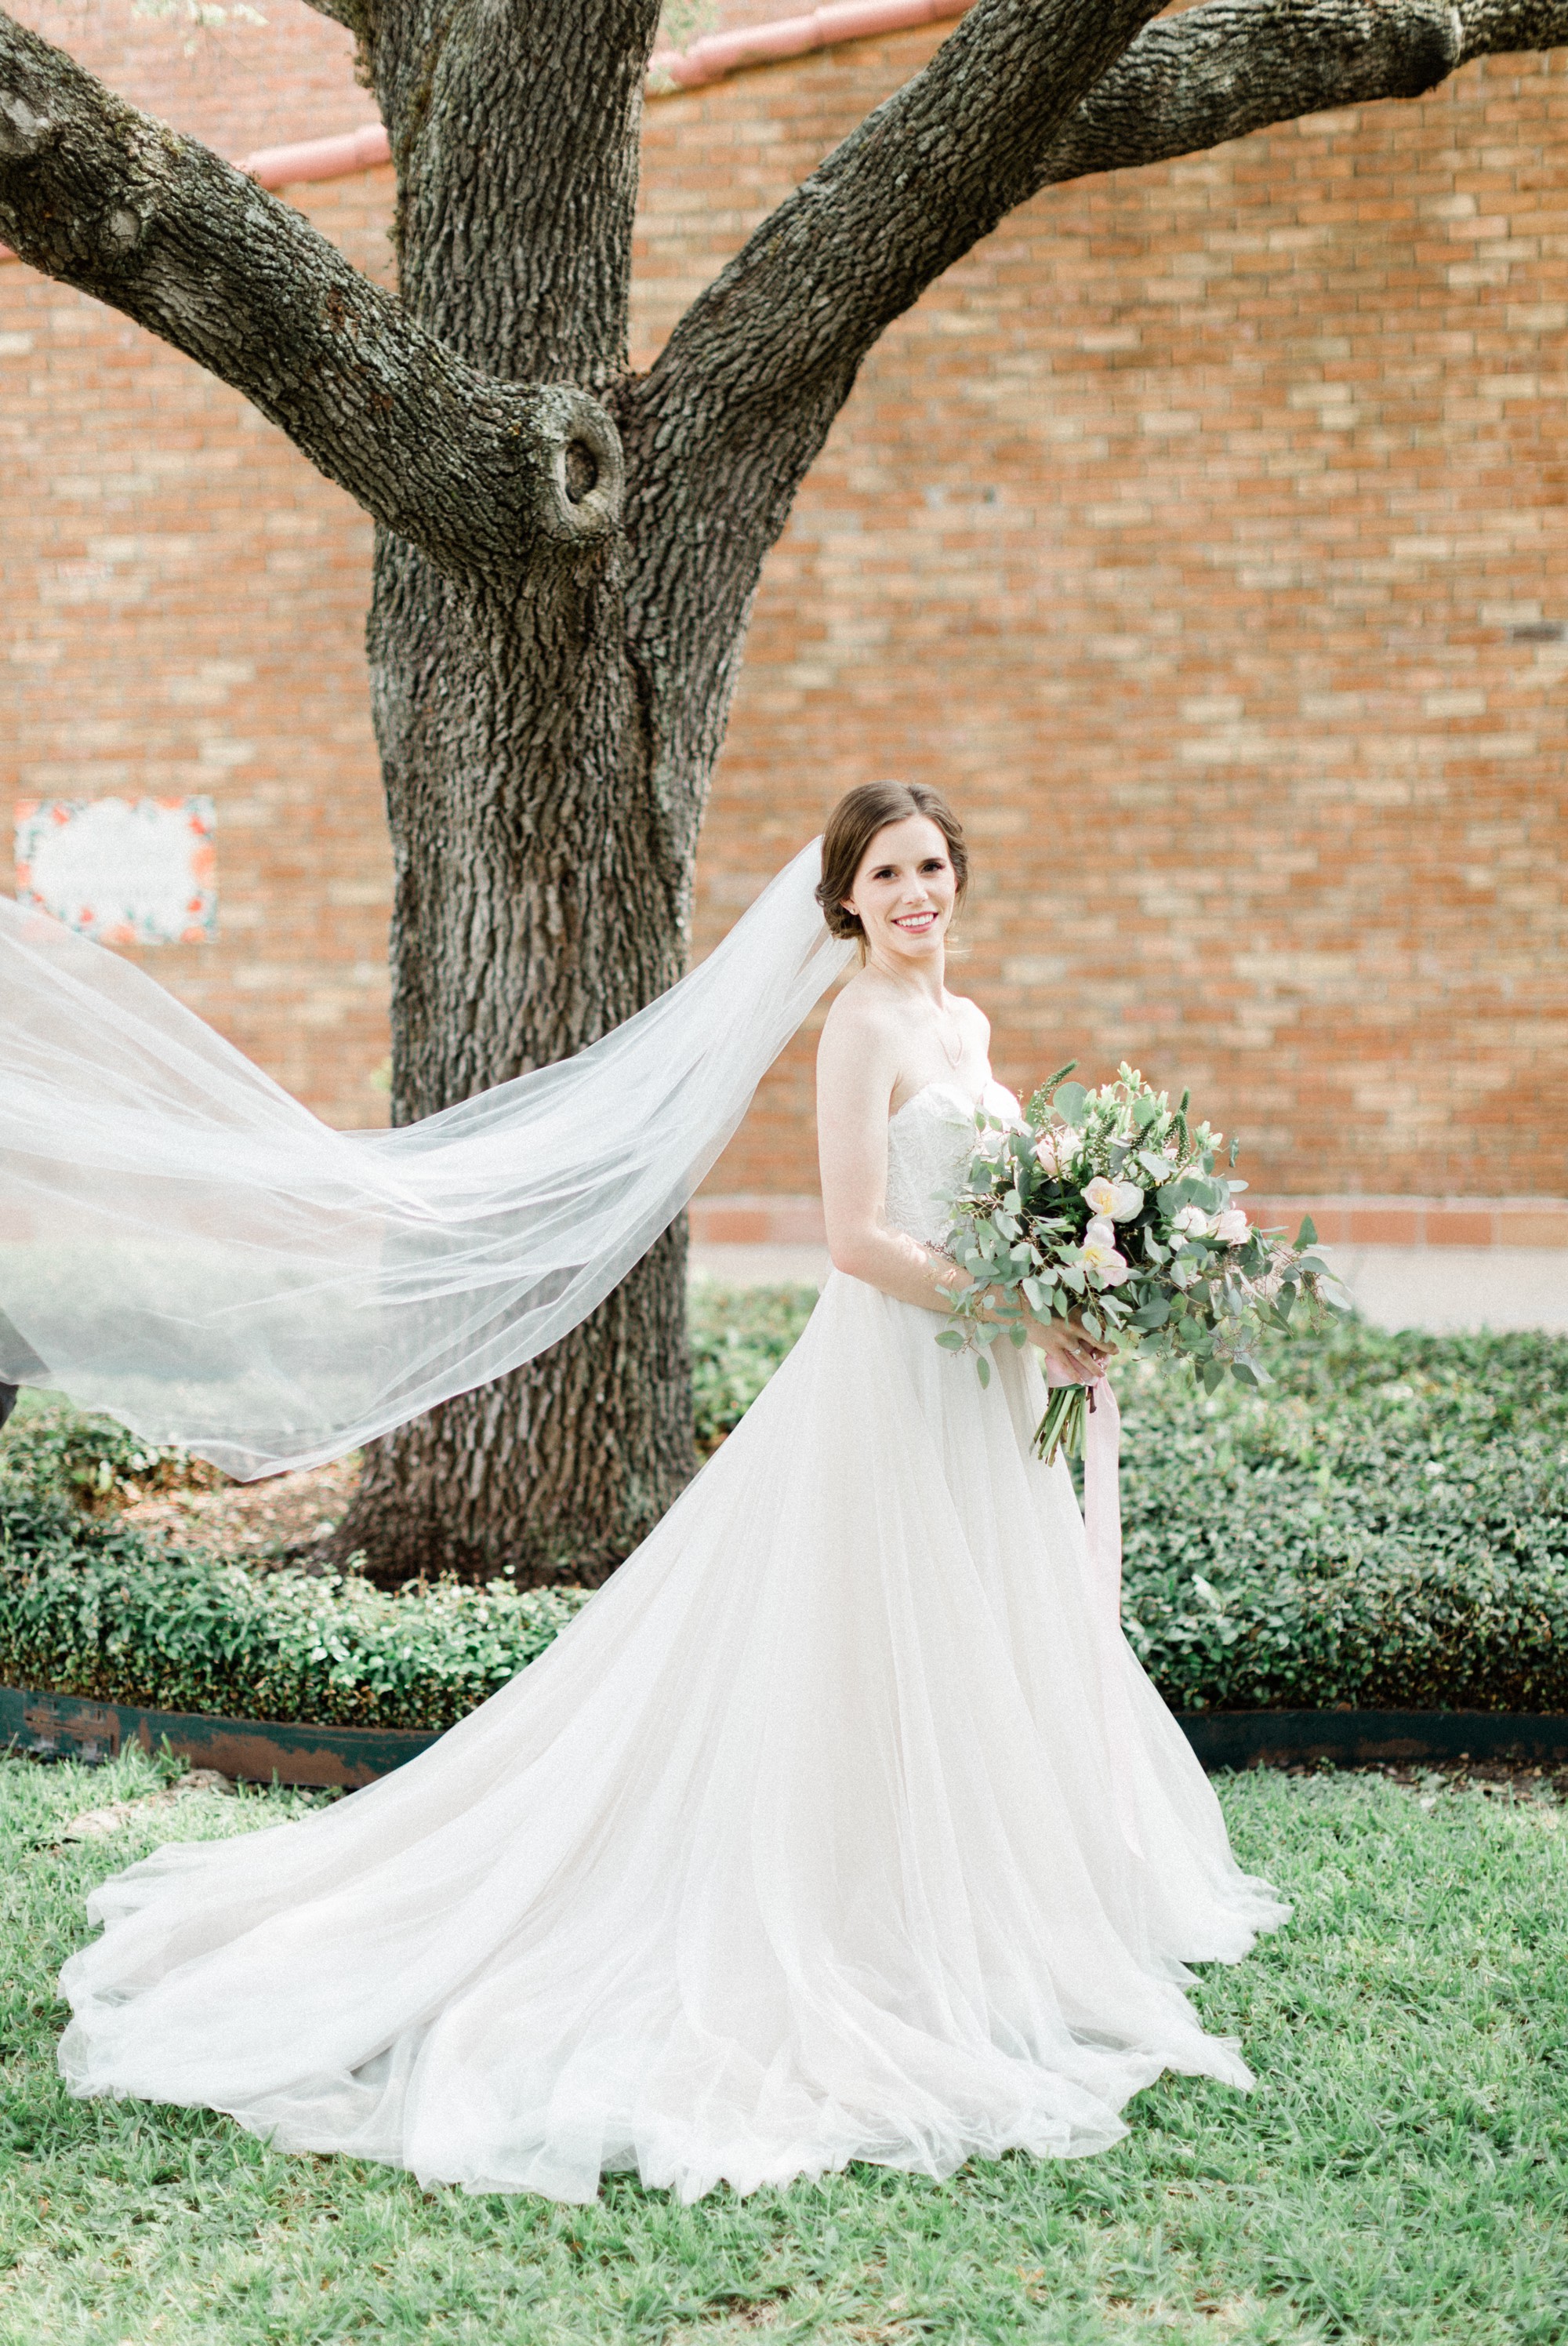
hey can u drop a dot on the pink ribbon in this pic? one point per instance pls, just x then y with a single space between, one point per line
1103 1534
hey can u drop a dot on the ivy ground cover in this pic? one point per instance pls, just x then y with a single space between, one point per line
1399 2177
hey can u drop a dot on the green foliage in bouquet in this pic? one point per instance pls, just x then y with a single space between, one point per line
1109 1208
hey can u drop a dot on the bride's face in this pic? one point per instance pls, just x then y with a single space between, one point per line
904 892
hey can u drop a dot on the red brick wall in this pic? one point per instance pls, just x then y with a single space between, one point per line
1182 533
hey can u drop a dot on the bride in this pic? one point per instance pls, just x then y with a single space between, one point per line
843 1823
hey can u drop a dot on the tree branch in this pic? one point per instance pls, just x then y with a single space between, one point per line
475 473
515 127
920 180
1195 81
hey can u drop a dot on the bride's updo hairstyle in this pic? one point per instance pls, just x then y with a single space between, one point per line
855 822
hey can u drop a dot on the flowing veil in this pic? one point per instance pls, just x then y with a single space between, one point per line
186 1247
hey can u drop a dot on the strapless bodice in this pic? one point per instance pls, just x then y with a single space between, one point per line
930 1141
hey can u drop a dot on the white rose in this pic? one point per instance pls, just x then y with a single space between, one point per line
1100 1233
1048 1153
1129 1201
1100 1196
1193 1221
1232 1227
1100 1256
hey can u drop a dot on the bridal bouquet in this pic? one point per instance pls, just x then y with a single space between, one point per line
1106 1206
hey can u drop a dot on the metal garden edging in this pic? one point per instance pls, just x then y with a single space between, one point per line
69 1727
264 1751
1281 1739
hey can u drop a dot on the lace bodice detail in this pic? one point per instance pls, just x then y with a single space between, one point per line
929 1145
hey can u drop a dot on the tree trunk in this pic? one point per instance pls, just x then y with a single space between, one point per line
539 901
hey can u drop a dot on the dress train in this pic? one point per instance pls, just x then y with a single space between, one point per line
806 1842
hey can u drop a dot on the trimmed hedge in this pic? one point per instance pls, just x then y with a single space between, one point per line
1385 1527
90 1608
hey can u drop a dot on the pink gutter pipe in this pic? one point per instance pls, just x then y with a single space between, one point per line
713 58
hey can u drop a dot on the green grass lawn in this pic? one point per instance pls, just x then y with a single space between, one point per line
1400 2173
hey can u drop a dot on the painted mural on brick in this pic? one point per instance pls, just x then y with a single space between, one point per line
127 873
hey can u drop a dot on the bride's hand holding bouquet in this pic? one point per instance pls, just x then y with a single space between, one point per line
1101 1222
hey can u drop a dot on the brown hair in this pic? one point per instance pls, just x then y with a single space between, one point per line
855 822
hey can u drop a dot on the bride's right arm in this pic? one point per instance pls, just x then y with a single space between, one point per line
857 1069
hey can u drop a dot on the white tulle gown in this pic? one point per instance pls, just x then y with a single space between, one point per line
806 1841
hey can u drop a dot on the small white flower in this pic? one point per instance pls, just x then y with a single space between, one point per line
1129 1201
1100 1196
1050 1150
1193 1221
1232 1227
1100 1233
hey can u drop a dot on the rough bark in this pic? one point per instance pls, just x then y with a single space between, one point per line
549 689
1195 81
535 903
477 471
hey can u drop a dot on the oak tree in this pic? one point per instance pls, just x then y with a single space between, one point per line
566 551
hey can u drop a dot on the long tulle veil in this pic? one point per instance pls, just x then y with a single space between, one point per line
183 1246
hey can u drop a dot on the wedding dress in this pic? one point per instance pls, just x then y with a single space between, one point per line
841 1824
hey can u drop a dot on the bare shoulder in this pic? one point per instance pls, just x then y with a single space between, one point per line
860 1047
860 1015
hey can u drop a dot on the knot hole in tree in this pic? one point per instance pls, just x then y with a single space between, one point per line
585 467
581 470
